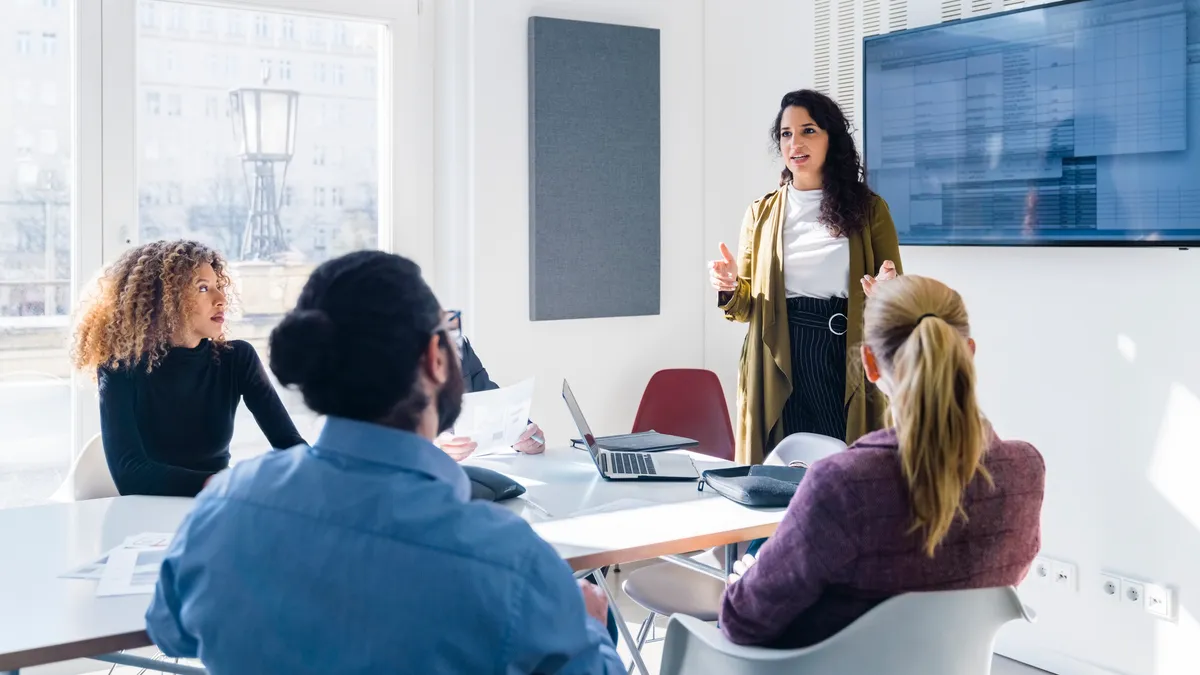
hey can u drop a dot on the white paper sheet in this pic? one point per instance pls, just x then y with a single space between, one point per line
145 567
496 419
149 540
131 571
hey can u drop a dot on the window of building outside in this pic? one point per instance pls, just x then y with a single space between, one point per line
262 26
208 21
187 178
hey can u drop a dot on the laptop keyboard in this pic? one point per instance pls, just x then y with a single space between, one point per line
639 463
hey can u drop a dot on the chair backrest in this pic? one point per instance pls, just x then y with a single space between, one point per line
688 403
804 447
89 477
936 633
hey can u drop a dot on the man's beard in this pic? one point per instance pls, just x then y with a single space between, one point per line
449 397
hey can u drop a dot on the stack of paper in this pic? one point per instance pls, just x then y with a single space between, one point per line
495 419
129 569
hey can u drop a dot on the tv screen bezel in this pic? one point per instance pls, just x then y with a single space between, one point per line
1182 244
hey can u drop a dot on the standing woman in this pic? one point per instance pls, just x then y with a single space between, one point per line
809 255
169 381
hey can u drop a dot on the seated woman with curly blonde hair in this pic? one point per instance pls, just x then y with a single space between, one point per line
169 382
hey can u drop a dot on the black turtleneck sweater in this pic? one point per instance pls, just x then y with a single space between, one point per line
167 431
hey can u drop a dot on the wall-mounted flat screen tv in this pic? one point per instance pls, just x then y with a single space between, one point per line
1075 123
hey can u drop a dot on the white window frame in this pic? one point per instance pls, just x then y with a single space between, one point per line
106 148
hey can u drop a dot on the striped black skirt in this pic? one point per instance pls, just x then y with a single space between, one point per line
817 327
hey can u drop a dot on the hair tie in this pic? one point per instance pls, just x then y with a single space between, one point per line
923 317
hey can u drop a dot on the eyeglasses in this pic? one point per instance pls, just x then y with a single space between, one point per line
452 324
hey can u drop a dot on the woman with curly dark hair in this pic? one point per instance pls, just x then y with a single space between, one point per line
153 331
809 255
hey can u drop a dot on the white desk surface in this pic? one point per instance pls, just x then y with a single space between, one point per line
654 518
45 619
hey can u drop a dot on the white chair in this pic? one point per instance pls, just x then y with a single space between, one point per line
936 633
665 588
89 477
804 447
668 589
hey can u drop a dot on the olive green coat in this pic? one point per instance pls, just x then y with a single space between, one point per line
765 374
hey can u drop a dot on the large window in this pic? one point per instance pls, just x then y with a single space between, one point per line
209 185
35 256
161 160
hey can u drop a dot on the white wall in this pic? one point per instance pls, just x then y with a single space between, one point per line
755 51
483 214
1091 354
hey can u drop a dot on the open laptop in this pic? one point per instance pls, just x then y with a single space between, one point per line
643 441
618 465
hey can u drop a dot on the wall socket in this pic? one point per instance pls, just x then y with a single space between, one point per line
1132 592
1056 573
1064 575
1154 599
1158 601
1110 586
1041 570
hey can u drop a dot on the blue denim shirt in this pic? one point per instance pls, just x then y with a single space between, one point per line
363 554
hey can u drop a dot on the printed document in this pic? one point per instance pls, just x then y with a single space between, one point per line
495 419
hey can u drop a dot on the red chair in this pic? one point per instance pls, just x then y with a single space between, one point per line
690 403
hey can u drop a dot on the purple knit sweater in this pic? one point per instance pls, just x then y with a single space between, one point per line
844 545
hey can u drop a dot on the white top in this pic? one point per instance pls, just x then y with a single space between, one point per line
591 522
816 264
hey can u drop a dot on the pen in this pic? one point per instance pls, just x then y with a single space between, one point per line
536 438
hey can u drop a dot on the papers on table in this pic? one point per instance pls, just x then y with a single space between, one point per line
129 569
495 419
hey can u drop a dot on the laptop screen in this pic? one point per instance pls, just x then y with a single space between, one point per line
585 432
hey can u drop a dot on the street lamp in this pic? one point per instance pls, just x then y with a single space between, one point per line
264 124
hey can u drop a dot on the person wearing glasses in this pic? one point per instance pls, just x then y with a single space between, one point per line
365 553
476 378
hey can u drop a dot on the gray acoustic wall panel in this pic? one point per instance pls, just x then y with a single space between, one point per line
594 133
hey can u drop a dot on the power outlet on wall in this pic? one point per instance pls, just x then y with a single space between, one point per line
1041 570
1054 573
1156 600
1133 593
1064 575
1110 587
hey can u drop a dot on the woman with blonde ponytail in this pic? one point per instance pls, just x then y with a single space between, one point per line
935 502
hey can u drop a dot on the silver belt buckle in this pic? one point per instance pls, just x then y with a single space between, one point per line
830 322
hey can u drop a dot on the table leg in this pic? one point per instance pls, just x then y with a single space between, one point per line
152 665
684 561
626 636
731 557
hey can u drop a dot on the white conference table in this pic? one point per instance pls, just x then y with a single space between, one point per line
591 522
